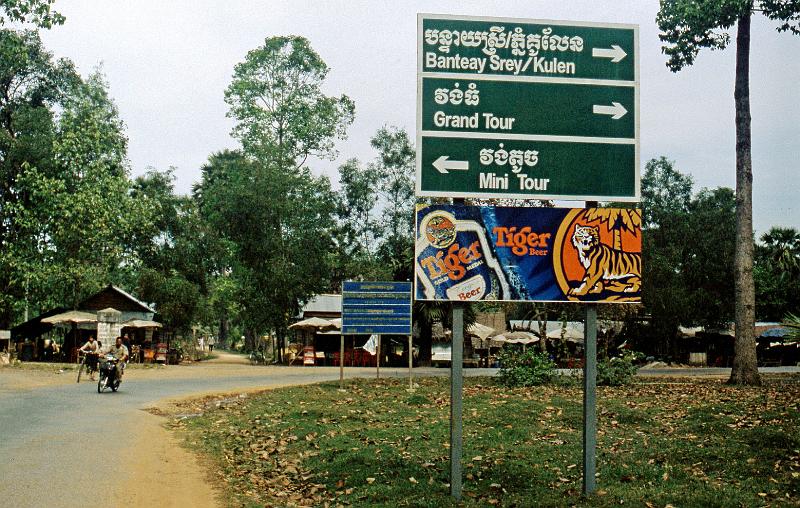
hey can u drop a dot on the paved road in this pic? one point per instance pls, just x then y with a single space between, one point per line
53 438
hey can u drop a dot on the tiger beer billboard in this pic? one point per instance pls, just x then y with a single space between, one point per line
470 253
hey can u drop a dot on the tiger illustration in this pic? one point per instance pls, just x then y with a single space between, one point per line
606 268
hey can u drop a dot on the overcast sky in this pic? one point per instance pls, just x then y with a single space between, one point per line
168 63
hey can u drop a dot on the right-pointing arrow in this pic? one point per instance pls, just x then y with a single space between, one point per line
443 164
616 110
615 53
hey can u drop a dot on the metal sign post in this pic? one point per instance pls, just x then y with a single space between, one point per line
456 388
410 363
590 399
341 363
378 359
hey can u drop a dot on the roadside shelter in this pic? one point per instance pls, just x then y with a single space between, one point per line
119 313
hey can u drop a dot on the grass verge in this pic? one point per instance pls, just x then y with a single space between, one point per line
687 443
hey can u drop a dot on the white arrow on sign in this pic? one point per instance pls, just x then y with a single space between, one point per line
615 53
443 164
616 110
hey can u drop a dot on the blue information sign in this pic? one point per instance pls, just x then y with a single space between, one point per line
381 308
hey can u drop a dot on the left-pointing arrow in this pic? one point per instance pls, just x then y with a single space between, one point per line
616 110
443 164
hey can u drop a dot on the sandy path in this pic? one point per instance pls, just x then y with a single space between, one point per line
165 473
160 459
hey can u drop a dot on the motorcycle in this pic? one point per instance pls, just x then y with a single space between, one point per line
109 376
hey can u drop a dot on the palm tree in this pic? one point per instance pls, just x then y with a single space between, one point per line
617 219
782 247
792 322
428 313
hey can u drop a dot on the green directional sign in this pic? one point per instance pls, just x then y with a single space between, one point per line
514 107
527 109
492 168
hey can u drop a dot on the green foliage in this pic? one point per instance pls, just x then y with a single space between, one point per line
277 100
687 26
704 444
781 249
525 368
395 170
618 370
357 229
687 247
32 85
38 12
175 298
274 218
86 215
792 322
277 226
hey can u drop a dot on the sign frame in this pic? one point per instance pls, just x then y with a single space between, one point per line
377 305
422 75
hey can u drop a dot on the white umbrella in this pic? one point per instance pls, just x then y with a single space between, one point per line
313 323
518 337
72 316
571 333
141 323
480 331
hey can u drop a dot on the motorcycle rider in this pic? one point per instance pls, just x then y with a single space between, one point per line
120 352
92 349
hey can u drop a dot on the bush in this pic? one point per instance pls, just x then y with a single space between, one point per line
525 368
618 370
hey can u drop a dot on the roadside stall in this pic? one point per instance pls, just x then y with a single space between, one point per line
142 332
80 326
309 328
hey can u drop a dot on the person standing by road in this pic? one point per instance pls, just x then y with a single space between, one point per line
211 343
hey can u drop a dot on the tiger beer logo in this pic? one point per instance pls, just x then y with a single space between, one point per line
440 231
453 260
523 241
597 255
455 263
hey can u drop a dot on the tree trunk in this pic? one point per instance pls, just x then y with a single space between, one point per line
281 334
250 339
541 320
745 366
425 343
223 331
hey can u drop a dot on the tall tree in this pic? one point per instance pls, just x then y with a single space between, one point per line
32 85
687 249
357 228
37 12
179 254
274 211
777 274
394 169
687 27
666 197
86 214
278 226
277 100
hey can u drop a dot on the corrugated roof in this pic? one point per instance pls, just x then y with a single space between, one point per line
326 303
125 293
